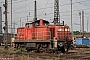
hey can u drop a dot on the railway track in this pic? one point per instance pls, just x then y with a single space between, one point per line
76 54
70 55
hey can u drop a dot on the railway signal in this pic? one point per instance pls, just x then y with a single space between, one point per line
6 25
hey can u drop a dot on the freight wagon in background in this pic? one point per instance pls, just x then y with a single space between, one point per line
81 41
40 35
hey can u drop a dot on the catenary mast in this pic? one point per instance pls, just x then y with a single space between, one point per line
56 12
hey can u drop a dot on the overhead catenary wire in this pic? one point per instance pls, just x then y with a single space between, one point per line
52 7
28 10
9 2
51 13
44 8
23 6
48 7
60 12
82 3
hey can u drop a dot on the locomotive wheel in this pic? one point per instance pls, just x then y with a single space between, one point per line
43 47
40 48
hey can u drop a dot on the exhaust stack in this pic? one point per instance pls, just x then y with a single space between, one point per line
35 11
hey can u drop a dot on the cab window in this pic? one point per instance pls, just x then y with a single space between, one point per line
28 25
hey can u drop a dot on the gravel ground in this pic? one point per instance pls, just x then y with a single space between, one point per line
13 54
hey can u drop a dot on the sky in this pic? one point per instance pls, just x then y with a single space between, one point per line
45 10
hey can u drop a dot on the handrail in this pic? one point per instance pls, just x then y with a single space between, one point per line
41 35
62 35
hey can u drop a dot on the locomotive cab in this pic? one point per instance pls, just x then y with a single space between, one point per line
28 24
40 23
37 23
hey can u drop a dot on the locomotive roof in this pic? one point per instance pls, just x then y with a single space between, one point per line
37 21
41 19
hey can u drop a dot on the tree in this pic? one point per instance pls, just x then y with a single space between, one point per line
76 32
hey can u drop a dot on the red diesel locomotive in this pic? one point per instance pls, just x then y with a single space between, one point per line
40 35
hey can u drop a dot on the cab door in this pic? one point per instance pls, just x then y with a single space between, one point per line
52 30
